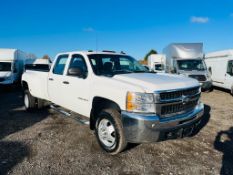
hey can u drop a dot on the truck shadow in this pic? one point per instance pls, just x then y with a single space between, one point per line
13 119
12 153
205 119
222 89
13 116
224 143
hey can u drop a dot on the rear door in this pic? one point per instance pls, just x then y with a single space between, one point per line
229 75
78 89
218 71
56 80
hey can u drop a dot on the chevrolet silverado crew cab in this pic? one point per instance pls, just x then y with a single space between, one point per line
117 97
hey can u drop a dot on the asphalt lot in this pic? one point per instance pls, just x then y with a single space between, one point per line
45 142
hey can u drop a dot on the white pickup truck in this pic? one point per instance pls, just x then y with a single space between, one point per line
119 98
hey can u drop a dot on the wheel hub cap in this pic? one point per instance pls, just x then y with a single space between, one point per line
106 132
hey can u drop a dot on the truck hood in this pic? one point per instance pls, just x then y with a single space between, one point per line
5 74
151 82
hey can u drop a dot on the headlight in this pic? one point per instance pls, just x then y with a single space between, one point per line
140 102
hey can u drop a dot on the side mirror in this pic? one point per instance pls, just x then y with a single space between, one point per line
77 72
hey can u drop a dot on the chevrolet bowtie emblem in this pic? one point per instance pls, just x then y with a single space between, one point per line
185 99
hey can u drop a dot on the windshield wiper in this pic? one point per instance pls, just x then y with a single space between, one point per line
140 71
122 71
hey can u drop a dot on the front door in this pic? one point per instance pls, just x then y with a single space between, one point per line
78 88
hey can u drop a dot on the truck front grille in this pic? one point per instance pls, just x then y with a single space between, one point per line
198 77
169 96
178 107
2 79
173 102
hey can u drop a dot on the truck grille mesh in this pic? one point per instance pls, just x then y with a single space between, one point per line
178 94
177 101
179 107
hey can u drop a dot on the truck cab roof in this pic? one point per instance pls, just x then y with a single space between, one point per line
93 52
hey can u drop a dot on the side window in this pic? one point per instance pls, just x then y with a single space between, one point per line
60 64
230 68
77 61
126 64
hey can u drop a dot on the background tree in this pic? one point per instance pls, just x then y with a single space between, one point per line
152 51
46 57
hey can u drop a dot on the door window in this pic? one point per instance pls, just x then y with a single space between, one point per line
60 64
77 61
230 68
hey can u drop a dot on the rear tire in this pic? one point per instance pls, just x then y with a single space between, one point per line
29 101
109 131
40 103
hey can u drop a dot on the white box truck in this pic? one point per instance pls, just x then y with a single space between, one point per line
188 59
220 66
156 63
12 63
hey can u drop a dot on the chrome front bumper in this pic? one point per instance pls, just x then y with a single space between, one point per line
206 85
140 128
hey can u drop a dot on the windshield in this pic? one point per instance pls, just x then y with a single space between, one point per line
159 67
189 65
5 66
110 65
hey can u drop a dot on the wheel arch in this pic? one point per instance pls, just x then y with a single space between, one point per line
98 104
24 85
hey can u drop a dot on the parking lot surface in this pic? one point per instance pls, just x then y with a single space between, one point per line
44 142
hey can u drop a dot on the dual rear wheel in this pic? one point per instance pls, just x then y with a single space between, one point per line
31 102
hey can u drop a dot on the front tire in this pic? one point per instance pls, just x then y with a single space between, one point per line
109 132
29 101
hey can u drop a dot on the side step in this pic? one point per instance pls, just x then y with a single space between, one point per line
68 114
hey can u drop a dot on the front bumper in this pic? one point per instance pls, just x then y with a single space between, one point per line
140 128
206 85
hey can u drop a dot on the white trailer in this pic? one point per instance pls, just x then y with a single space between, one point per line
12 63
156 62
220 66
187 59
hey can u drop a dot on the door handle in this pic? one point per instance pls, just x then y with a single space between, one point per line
51 79
65 82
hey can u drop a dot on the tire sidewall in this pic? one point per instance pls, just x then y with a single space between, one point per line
105 115
31 101
28 101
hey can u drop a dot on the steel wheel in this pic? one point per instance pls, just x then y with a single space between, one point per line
106 132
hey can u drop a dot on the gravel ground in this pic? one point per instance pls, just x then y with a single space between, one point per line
44 142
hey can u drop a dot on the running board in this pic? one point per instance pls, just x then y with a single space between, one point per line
68 114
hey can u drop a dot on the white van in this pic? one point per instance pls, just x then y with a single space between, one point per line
220 66
156 63
12 63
